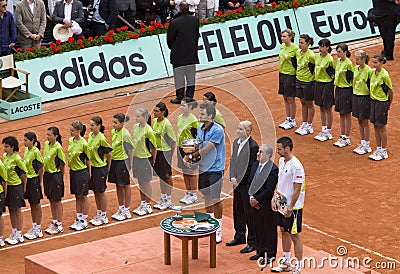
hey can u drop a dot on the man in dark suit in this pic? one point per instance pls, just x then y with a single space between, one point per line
182 39
104 17
74 17
127 9
244 154
262 182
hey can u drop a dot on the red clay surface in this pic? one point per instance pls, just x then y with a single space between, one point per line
351 201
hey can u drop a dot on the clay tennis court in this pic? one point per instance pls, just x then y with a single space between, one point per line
351 201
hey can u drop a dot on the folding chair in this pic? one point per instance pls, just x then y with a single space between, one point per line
11 85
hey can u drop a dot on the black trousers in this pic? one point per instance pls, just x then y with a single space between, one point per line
266 232
97 29
387 30
182 73
241 215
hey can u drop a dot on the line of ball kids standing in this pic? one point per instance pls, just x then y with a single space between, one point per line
317 79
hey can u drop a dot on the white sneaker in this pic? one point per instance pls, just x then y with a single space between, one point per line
20 238
285 124
51 228
143 210
81 225
33 234
169 204
57 230
184 200
374 154
2 243
219 235
192 199
306 130
119 215
323 136
12 239
95 220
161 205
282 268
342 142
300 129
101 220
381 155
73 226
359 149
127 214
296 271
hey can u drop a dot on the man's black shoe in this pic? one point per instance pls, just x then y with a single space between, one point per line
247 249
236 242
175 101
256 257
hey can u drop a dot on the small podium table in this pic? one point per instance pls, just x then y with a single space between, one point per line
180 229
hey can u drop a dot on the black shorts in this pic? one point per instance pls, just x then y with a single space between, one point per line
287 85
210 183
287 223
186 170
162 166
343 100
33 191
142 169
2 203
119 173
361 108
53 186
305 90
324 94
98 180
379 112
15 197
79 182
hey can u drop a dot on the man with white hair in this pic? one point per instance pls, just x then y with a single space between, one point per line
244 154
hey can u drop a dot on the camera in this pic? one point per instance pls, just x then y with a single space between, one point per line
90 12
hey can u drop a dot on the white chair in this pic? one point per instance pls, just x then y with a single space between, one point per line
11 85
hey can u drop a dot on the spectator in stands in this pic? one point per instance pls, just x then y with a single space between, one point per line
8 30
104 17
192 5
207 8
146 10
386 14
50 6
232 4
162 11
70 14
252 3
30 17
127 9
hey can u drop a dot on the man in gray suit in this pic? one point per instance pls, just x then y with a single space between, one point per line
127 9
70 14
30 17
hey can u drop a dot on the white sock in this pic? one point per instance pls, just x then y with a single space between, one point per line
298 265
84 217
367 143
379 148
286 255
58 223
363 142
103 213
292 120
98 212
384 149
34 225
143 202
168 197
220 224
288 118
79 216
55 222
324 128
343 136
121 207
163 196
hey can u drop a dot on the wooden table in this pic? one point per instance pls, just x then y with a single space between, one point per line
185 235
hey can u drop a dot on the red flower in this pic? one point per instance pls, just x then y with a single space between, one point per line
79 41
136 36
271 8
296 4
124 28
34 47
111 32
19 49
142 25
152 23
158 25
227 12
96 37
234 11
28 50
81 46
52 45
118 29
70 40
130 34
83 37
58 41
259 6
111 40
204 20
151 28
219 13
142 30
273 4
166 24
90 38
240 9
43 47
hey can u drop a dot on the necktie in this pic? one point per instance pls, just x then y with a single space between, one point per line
258 172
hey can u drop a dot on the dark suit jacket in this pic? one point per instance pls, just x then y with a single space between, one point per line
263 187
240 166
76 13
182 39
123 5
108 11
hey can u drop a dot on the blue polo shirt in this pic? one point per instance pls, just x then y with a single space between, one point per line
214 160
8 32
